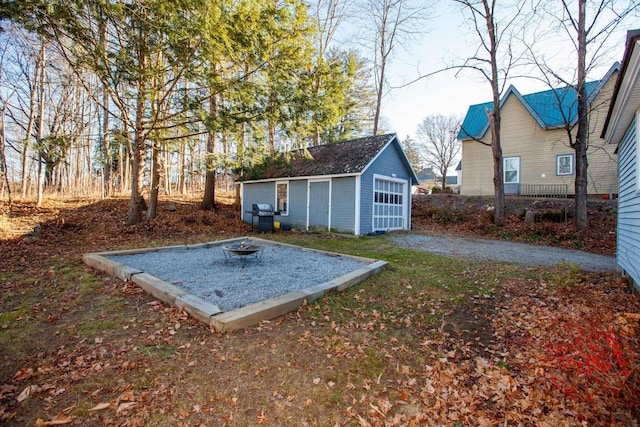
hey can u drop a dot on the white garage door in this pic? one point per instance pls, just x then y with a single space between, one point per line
389 204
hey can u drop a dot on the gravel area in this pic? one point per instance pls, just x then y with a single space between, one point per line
500 250
237 282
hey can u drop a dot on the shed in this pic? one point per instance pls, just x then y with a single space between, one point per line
622 127
358 186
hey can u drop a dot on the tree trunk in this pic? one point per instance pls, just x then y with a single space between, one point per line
379 89
495 122
208 201
30 124
106 167
137 204
182 179
166 172
581 143
41 124
155 182
4 173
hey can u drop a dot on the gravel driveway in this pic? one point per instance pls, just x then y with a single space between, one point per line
500 250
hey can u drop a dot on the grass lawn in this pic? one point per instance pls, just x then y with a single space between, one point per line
430 341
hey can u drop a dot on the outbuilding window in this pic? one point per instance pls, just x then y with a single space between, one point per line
282 197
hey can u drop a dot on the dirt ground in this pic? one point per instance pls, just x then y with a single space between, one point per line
554 225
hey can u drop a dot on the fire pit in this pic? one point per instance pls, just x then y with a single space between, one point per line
242 250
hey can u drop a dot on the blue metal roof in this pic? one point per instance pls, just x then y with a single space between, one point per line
551 108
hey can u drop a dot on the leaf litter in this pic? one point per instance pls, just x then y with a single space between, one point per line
553 350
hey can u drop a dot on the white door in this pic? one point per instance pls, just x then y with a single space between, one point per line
389 204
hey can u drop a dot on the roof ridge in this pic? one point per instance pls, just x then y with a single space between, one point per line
547 115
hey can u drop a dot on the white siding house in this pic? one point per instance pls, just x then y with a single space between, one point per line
622 127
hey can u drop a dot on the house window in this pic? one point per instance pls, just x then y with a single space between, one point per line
511 166
388 204
564 164
282 197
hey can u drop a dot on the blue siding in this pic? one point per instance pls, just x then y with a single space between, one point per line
297 217
261 192
628 233
389 162
343 204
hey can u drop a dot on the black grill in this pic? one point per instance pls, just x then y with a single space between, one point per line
265 214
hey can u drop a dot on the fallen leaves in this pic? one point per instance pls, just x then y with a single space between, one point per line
359 362
54 422
28 391
100 407
23 374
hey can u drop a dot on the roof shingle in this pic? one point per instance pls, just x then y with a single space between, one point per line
347 157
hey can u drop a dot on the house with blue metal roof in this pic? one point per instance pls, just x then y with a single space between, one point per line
537 157
622 129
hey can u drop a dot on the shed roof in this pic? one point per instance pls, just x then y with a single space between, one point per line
551 109
343 158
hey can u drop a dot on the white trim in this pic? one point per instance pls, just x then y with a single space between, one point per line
379 153
242 201
637 146
302 178
330 207
504 170
276 197
330 181
409 200
571 164
616 126
306 222
412 173
356 225
405 202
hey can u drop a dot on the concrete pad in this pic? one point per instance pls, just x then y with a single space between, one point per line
124 272
158 288
208 245
142 250
350 279
316 292
100 263
197 307
254 313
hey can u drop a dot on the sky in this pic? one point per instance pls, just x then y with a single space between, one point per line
447 39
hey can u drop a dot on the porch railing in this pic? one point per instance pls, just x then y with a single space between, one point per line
543 190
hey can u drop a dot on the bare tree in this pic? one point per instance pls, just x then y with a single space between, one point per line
329 16
394 23
588 37
493 59
437 138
